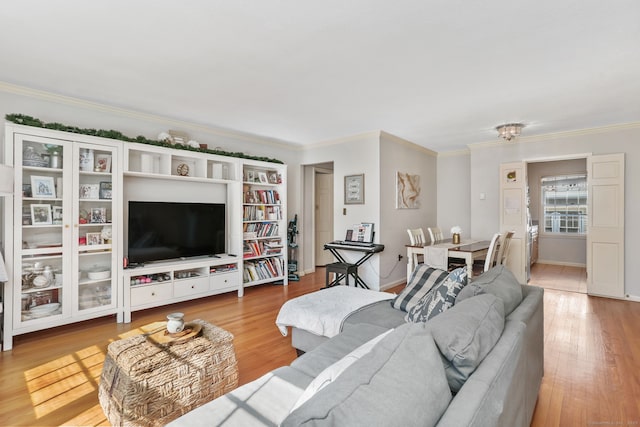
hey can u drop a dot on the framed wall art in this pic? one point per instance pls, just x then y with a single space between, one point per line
407 190
354 189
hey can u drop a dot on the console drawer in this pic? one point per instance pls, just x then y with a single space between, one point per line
226 281
190 286
149 295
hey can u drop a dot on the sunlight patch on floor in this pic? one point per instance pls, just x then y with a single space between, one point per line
58 383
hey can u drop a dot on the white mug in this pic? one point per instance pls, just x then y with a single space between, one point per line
175 323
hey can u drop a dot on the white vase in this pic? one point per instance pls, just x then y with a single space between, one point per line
175 323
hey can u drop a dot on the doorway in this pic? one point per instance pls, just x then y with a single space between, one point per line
317 215
323 224
556 204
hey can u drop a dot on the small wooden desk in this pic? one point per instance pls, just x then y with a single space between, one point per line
467 250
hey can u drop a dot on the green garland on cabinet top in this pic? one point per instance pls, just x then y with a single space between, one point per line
22 119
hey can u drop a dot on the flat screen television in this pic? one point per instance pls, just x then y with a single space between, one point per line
168 230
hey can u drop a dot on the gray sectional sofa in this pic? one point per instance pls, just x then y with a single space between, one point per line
479 363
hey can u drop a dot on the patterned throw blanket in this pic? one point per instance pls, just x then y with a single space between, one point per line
323 312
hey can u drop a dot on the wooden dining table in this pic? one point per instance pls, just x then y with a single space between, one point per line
469 250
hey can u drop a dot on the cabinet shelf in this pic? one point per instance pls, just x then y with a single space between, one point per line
34 290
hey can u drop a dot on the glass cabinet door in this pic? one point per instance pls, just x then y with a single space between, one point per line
40 237
93 228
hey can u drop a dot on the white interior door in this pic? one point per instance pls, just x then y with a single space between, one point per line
323 216
605 233
513 216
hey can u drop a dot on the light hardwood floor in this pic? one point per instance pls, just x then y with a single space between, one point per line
592 354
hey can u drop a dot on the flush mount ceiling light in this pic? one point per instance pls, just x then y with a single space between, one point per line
509 130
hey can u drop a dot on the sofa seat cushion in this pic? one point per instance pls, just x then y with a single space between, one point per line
400 382
440 298
263 402
421 281
465 334
498 281
330 351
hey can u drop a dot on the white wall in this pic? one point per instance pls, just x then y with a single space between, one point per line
454 197
485 160
379 156
555 249
351 156
398 155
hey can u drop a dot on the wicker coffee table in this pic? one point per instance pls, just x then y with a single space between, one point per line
145 383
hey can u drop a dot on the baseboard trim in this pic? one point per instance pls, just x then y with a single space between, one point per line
392 284
567 264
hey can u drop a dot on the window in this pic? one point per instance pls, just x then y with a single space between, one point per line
564 204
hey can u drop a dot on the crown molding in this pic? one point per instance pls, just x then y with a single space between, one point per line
166 122
455 153
407 143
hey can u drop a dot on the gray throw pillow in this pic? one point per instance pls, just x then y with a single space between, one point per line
498 281
421 281
440 298
400 382
465 334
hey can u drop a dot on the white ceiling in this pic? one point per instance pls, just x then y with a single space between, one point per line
439 73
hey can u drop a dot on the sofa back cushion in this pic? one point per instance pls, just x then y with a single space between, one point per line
465 334
421 281
401 381
498 281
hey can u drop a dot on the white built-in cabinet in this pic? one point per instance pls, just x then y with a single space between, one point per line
59 230
67 223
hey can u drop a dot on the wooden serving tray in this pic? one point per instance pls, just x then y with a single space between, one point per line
163 336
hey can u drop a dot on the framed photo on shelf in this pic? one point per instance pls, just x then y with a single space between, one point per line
262 177
105 190
57 215
89 191
41 215
273 177
94 239
103 163
43 187
98 216
354 189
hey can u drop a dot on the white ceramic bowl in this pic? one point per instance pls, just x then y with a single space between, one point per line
40 282
44 309
99 274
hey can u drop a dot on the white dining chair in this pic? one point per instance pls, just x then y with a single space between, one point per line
492 253
416 238
435 233
503 252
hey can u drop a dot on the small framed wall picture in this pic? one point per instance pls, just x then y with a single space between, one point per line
41 215
43 187
354 189
262 177
102 162
94 238
105 190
